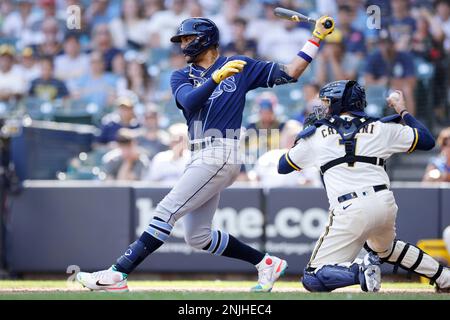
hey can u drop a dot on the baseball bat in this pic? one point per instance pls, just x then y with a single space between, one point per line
292 15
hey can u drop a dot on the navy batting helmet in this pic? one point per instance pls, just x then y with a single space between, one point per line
344 96
206 32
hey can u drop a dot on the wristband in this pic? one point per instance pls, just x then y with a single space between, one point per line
309 51
401 112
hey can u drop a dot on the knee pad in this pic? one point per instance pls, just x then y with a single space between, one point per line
411 258
330 277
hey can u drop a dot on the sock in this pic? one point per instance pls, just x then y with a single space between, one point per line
226 245
154 237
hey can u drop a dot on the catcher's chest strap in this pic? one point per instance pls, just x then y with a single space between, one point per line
348 130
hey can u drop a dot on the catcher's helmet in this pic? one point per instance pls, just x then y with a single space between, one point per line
344 96
206 31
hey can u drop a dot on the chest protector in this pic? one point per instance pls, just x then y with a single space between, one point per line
347 129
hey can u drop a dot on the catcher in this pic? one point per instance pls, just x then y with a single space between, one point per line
350 150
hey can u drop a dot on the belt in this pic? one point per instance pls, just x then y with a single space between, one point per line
353 195
195 146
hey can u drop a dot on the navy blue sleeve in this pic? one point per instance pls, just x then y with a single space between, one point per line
425 140
263 74
284 167
186 96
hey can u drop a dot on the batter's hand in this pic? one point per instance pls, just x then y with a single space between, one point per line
320 31
230 68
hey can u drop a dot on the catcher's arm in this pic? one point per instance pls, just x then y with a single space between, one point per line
309 50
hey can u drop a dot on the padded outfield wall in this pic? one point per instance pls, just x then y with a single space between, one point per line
54 224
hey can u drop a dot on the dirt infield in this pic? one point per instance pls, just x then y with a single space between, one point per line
231 289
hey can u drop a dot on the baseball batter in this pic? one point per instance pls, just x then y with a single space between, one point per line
350 150
210 92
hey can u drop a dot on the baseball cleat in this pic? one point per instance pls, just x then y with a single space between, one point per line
370 271
105 280
442 290
269 270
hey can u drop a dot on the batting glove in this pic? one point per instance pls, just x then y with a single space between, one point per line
230 68
320 31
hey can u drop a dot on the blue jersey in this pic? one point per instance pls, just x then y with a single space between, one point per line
224 108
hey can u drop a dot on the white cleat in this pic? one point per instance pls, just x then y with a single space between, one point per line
373 278
372 273
269 270
106 280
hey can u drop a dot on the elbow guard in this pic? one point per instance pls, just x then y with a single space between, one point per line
280 76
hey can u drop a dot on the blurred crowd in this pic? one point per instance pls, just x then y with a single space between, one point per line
114 72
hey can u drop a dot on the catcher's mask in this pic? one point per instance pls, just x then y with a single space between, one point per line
343 96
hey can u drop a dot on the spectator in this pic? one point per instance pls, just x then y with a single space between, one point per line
392 69
352 38
152 138
99 12
195 9
439 168
18 24
12 81
97 86
176 61
6 7
126 162
443 18
137 79
29 66
401 25
334 62
224 20
48 42
73 64
150 7
168 166
282 45
270 24
240 45
47 87
263 135
129 30
266 167
124 117
119 65
428 44
311 99
166 22
102 42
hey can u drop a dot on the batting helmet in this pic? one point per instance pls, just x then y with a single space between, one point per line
206 32
344 96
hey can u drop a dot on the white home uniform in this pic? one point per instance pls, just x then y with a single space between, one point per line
371 215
